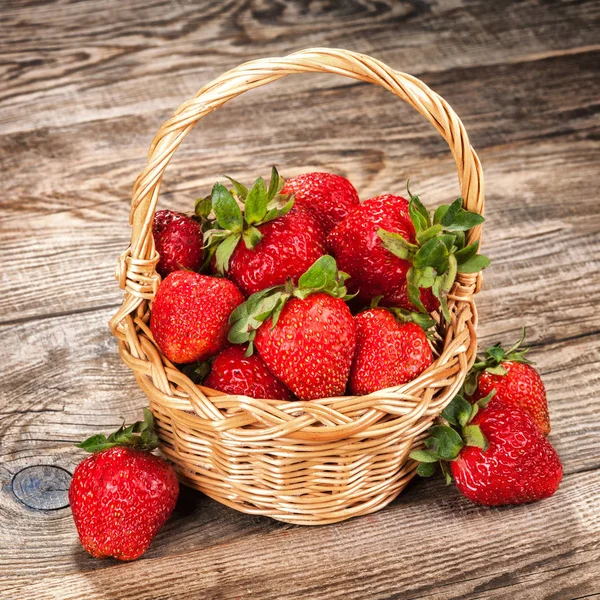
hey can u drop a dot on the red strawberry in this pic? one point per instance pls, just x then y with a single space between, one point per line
498 456
330 196
310 348
394 249
519 466
306 335
122 495
235 373
266 243
289 246
373 269
388 353
514 380
190 315
178 240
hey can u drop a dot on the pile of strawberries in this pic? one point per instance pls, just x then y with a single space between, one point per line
491 437
298 291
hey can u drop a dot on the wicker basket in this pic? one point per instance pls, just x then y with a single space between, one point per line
311 462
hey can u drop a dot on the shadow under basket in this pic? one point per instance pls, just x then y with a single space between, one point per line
313 462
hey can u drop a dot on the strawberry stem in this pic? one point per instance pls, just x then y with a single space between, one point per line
238 213
323 276
140 435
493 359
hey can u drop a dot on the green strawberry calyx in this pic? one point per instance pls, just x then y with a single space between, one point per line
323 276
238 213
493 362
140 435
423 320
440 252
445 441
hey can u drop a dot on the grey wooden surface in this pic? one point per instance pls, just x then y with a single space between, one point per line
84 87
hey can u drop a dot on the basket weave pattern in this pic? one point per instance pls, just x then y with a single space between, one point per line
311 462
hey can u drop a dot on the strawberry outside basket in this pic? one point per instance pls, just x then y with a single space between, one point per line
313 462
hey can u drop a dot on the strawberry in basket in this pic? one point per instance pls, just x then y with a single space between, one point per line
497 454
235 373
394 249
190 314
304 333
178 240
268 241
511 375
390 349
330 197
123 494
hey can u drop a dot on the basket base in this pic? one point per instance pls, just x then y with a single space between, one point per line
294 516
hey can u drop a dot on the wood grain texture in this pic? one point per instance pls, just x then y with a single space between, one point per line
288 563
84 88
84 224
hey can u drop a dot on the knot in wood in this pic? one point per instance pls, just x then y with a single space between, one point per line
42 487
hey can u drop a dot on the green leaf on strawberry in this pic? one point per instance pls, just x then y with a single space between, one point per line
238 213
323 276
458 412
419 215
473 436
240 189
197 371
440 253
203 207
445 441
397 244
424 321
425 456
426 469
225 250
474 265
140 435
227 211
255 206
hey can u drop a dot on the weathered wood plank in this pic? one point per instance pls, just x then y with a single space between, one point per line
479 553
139 56
59 238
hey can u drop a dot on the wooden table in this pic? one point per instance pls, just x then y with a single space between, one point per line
84 88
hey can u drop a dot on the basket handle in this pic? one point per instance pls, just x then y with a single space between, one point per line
136 268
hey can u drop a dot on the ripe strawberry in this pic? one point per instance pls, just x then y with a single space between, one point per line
178 240
235 373
190 314
373 269
289 246
305 335
122 495
394 249
501 458
519 466
331 197
278 242
388 353
514 380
